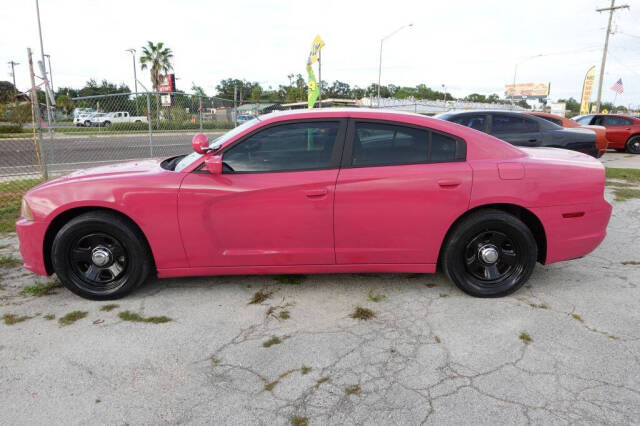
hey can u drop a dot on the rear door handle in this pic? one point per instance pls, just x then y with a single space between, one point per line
533 140
449 183
316 193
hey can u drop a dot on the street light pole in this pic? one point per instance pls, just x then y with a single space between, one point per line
135 77
50 70
380 61
515 71
13 74
46 98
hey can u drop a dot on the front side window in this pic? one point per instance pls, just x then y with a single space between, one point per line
378 144
512 124
615 121
584 120
552 120
476 122
287 147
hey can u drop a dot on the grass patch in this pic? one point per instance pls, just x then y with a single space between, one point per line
110 307
9 262
577 317
289 279
2 288
10 198
49 317
362 313
134 317
618 184
275 340
10 319
260 296
299 421
72 317
526 337
41 289
632 175
284 315
352 390
630 262
540 306
624 194
376 297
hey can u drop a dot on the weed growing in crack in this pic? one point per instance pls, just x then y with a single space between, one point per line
392 350
577 317
612 336
362 313
285 315
10 319
299 421
526 337
630 262
437 339
289 279
214 360
9 262
444 295
322 380
49 317
110 307
260 296
41 289
540 306
376 297
352 390
275 340
305 370
431 285
280 311
134 317
72 317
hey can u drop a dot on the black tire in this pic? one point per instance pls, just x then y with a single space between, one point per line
633 145
107 123
96 236
87 123
467 257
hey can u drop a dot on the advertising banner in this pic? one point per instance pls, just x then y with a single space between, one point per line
314 56
587 88
527 90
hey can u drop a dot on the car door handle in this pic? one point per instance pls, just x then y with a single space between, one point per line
533 140
316 193
449 183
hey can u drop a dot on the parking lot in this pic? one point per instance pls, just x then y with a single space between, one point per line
563 349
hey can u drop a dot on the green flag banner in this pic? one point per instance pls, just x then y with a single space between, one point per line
313 91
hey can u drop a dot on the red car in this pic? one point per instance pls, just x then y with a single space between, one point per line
623 131
321 191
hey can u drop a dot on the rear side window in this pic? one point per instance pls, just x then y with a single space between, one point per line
584 120
378 144
553 120
512 124
615 121
288 147
476 122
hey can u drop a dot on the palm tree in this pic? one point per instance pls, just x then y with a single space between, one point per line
157 58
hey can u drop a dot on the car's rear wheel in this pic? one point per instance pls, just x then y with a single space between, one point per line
490 253
107 123
633 144
99 255
87 123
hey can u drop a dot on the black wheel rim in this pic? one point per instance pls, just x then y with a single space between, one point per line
635 145
99 261
492 257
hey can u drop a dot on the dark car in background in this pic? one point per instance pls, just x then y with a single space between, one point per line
623 131
526 130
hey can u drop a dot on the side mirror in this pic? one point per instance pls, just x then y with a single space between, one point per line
213 164
200 143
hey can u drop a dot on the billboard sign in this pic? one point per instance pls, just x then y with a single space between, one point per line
527 90
167 83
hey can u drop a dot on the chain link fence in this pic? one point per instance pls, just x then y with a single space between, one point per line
100 130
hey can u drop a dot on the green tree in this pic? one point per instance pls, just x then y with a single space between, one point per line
157 58
64 102
197 90
7 91
571 105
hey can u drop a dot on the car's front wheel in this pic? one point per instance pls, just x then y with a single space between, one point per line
100 255
87 123
490 253
633 144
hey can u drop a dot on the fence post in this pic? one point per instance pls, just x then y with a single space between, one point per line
200 111
36 110
150 125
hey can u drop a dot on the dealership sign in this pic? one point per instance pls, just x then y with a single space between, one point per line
527 90
167 83
587 88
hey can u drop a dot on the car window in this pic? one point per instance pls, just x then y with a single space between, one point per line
287 147
551 119
476 122
512 124
584 120
615 121
379 144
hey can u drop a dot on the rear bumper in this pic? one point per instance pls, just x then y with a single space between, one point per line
573 231
31 237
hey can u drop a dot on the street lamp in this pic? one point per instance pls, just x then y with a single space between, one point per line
380 62
50 71
135 77
515 71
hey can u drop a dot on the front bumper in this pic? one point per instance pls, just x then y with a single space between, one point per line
570 236
31 236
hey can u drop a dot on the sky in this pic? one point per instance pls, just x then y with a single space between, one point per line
467 46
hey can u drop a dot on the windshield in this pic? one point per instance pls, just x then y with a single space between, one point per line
215 144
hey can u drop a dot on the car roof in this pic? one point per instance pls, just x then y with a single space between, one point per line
545 124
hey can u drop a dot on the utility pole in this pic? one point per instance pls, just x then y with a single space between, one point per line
611 9
13 74
35 105
50 71
49 120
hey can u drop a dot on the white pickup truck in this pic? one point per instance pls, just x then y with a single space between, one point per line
117 117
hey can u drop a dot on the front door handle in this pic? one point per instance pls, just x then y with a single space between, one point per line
316 193
533 140
449 183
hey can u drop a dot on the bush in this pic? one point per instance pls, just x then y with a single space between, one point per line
11 129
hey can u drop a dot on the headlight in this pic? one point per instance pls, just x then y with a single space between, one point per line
25 211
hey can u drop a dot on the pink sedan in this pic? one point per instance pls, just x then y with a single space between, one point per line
321 191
